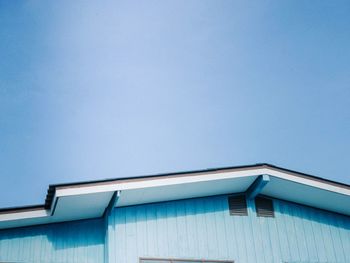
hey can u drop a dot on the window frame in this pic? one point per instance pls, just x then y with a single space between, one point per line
174 260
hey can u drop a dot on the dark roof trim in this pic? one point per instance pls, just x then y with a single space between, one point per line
308 176
52 188
19 209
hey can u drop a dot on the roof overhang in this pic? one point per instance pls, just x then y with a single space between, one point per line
67 202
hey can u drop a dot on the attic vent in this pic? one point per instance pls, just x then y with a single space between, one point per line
237 205
264 207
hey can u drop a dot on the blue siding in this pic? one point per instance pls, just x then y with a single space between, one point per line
193 228
203 228
80 241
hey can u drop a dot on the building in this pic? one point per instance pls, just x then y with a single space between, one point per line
254 213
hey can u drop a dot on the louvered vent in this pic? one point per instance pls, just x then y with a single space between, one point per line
264 207
237 205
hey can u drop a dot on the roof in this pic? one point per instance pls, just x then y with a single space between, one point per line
82 200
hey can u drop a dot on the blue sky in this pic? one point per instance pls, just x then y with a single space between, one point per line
101 89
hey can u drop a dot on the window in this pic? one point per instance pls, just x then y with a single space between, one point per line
237 205
264 207
169 260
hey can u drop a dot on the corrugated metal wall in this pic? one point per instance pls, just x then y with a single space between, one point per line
203 229
80 241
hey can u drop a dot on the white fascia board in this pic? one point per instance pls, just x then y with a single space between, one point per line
24 215
155 182
173 180
176 180
308 181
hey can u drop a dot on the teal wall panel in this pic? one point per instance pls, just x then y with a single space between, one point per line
195 228
73 242
203 229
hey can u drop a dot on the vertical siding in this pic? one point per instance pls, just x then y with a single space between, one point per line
203 228
80 241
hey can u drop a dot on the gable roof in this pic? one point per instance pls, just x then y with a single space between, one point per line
82 200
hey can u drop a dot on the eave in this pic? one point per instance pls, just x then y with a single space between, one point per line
83 200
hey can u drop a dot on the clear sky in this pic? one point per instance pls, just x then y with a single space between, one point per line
101 89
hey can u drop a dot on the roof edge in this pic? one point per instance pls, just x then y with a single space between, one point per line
19 209
52 188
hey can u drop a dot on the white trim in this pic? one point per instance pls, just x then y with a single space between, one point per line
146 183
24 215
310 182
142 183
